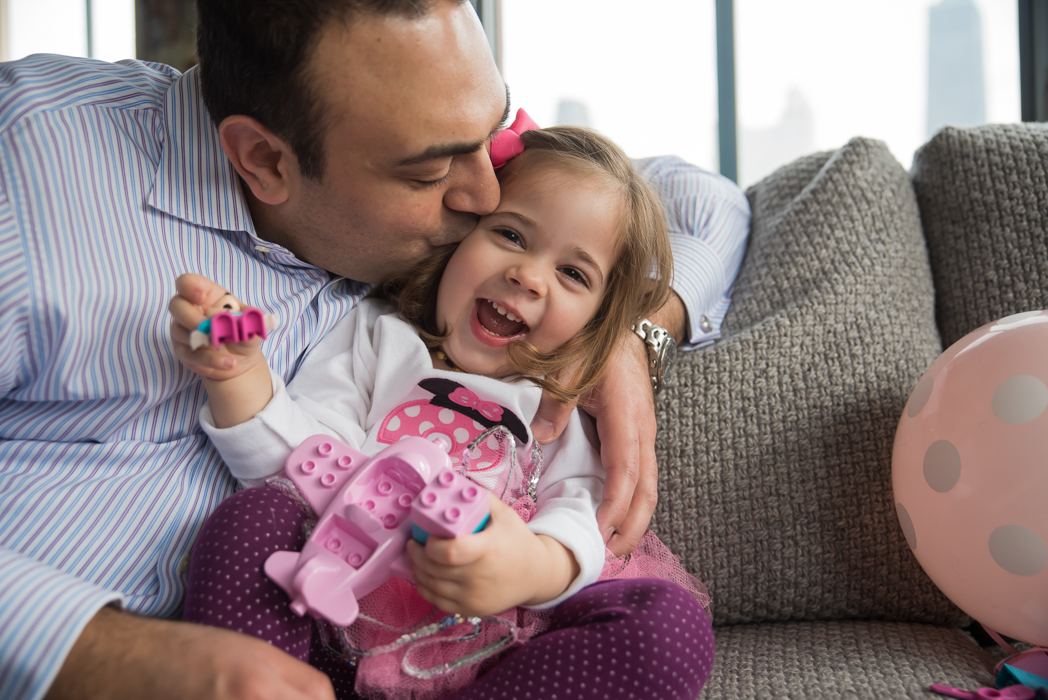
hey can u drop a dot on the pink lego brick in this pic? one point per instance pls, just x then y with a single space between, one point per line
238 326
450 506
366 509
320 467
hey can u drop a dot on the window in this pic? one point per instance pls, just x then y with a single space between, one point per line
61 26
642 74
811 74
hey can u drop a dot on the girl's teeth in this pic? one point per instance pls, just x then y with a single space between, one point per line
502 312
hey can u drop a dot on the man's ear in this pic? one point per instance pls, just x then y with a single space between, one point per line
261 157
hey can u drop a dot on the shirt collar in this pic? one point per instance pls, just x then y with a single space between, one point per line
195 181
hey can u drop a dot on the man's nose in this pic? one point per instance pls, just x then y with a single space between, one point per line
474 189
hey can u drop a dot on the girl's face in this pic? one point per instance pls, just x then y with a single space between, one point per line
534 269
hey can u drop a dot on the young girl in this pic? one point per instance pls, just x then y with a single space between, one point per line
533 299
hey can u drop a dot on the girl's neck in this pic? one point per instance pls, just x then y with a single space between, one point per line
442 361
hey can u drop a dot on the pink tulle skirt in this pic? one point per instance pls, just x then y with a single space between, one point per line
406 649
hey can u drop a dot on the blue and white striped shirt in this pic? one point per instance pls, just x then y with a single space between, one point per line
112 183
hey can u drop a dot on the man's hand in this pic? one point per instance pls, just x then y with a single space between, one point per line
124 656
496 569
624 410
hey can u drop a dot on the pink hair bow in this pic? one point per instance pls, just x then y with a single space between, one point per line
464 397
507 143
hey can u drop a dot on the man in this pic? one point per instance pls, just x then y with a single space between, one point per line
351 141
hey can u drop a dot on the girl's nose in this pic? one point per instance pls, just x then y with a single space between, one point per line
528 277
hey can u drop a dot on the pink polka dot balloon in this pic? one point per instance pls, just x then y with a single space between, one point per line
970 475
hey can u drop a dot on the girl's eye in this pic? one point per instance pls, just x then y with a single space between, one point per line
511 236
576 275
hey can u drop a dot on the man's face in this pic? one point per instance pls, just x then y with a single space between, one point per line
410 106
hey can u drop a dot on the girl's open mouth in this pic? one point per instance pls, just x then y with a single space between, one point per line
498 323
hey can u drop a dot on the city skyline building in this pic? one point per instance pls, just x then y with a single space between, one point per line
956 83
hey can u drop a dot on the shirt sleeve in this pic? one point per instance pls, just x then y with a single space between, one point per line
44 611
709 221
329 395
569 491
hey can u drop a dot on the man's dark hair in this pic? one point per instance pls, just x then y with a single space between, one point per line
254 59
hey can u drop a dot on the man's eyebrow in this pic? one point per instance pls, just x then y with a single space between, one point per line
450 150
442 150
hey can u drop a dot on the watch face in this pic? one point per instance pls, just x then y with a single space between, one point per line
667 354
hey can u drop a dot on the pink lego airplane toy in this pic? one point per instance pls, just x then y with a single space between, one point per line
368 508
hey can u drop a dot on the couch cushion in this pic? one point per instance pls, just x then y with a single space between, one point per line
775 443
843 660
983 197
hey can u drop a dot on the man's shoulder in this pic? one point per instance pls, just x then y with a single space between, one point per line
48 83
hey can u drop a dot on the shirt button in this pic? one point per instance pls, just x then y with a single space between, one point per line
705 324
264 250
183 564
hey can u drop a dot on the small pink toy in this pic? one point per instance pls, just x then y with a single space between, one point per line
368 509
229 321
232 327
1012 692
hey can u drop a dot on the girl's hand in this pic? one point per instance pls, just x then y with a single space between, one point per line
235 375
199 298
503 566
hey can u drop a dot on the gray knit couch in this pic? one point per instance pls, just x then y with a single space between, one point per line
775 443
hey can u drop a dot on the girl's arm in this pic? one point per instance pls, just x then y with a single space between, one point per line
235 376
330 395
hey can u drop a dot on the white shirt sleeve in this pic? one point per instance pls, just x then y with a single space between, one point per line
569 491
709 221
330 394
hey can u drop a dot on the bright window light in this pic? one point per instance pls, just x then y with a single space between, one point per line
643 74
812 74
60 26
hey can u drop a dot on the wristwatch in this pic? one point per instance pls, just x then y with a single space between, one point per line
662 349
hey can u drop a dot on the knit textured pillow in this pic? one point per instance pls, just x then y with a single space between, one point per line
775 443
983 195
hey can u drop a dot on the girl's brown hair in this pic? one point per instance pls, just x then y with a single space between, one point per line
637 285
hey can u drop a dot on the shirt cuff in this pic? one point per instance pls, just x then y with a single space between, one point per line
700 280
258 448
44 610
589 556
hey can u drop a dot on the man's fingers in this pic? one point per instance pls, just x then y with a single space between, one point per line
311 683
619 486
550 420
631 528
623 408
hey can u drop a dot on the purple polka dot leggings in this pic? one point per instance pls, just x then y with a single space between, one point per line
626 638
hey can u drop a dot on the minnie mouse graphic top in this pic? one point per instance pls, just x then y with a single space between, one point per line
370 382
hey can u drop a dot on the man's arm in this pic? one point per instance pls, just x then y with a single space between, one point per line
708 217
120 655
